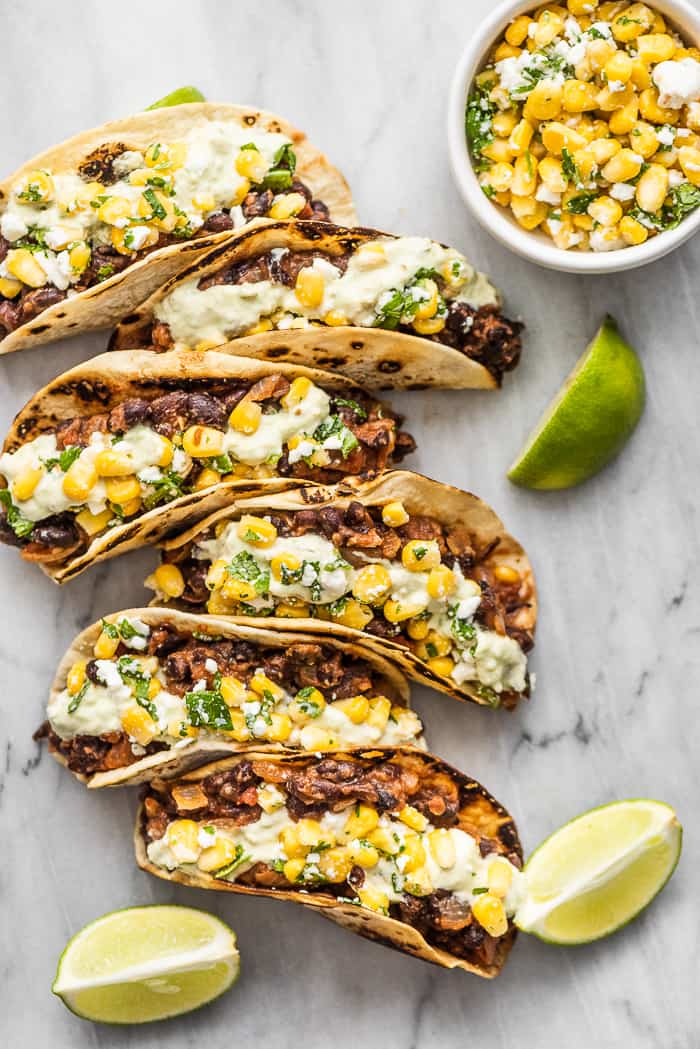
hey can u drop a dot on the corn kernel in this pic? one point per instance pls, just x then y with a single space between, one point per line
603 149
91 523
356 708
256 531
75 678
122 490
397 611
606 211
632 23
22 264
517 32
557 137
335 318
441 582
394 514
206 478
420 555
506 50
549 25
581 7
310 287
335 864
202 442
623 166
219 855
499 151
283 564
413 818
490 914
436 644
169 580
9 287
354 615
105 646
79 480
363 854
500 877
138 724
372 584
289 839
182 837
689 159
651 110
441 665
251 165
310 832
245 417
503 123
24 486
379 711
623 120
280 728
373 899
79 257
287 205
262 684
418 629
113 464
551 172
430 326
234 691
443 848
655 47
263 325
633 232
653 187
384 840
360 823
414 853
545 100
578 96
292 869
506 574
298 391
217 573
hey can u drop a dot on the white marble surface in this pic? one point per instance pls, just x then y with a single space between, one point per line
615 714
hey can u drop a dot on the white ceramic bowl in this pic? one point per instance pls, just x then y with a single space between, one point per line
537 246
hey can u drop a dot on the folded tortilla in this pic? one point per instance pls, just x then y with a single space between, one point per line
148 692
388 311
58 198
397 846
172 438
424 573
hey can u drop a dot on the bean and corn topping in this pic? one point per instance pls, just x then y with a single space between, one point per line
64 231
394 575
149 688
406 284
404 837
585 124
94 472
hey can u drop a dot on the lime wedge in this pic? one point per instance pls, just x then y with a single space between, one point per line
146 963
178 96
590 419
597 872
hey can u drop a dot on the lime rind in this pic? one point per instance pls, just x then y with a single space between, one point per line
533 916
178 97
590 419
171 982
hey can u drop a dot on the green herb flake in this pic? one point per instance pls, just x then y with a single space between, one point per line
20 525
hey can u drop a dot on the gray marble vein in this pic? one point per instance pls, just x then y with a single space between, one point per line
618 660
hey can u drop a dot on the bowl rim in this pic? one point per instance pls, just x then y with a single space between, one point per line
535 246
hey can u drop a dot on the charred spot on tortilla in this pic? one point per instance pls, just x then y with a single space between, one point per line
389 367
98 166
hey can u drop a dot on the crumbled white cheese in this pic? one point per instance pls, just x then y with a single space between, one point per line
622 191
548 196
678 82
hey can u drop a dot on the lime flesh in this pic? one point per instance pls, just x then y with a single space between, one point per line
590 419
597 872
178 97
146 963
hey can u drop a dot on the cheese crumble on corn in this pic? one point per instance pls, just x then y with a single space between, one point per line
585 124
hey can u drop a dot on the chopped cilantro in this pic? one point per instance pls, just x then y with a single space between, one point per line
569 168
307 705
223 872
133 676
109 629
478 118
104 272
223 464
245 567
333 426
66 459
168 487
20 525
579 204
157 209
352 405
280 175
78 698
488 694
479 891
208 709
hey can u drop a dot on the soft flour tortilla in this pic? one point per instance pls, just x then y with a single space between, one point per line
420 496
106 381
373 357
169 763
481 811
102 305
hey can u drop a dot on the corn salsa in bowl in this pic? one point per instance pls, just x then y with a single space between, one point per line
584 124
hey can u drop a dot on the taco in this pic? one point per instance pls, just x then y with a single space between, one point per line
153 692
396 846
118 451
387 311
91 227
422 572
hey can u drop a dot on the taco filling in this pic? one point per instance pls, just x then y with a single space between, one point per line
395 836
153 688
406 284
62 232
95 472
407 578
